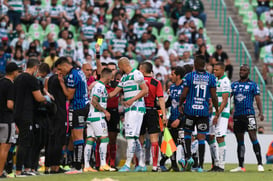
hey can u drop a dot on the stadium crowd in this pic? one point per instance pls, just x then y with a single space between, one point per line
69 76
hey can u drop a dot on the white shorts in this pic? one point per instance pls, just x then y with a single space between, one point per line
97 129
132 123
220 129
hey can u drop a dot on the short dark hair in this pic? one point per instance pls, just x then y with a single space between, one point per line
188 68
221 64
199 61
148 67
180 71
44 68
32 62
112 63
106 71
104 64
61 61
11 67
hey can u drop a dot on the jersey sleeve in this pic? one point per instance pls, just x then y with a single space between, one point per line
120 84
139 78
71 81
255 89
225 86
34 84
97 91
187 80
10 93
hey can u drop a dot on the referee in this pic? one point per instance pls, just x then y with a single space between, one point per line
7 125
244 92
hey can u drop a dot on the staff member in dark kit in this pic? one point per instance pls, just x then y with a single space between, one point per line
151 118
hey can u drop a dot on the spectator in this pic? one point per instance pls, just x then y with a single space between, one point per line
160 72
145 49
151 15
51 58
32 52
4 59
140 27
81 13
263 6
186 18
6 47
37 11
261 37
268 64
269 19
22 40
203 51
186 59
177 12
106 58
3 28
89 30
55 12
181 46
131 37
19 59
167 54
117 23
26 17
70 12
3 9
15 11
197 9
115 8
220 55
260 130
119 44
62 41
136 16
48 44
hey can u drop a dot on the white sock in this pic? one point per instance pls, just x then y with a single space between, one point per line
222 155
87 153
103 151
140 153
214 152
130 151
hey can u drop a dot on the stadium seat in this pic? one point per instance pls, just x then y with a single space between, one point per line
200 24
238 3
251 26
251 15
37 35
166 30
264 16
45 3
36 32
24 28
155 32
254 3
165 21
52 28
79 45
134 63
262 53
35 27
210 49
245 8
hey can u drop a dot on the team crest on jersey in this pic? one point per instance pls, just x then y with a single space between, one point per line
240 97
247 87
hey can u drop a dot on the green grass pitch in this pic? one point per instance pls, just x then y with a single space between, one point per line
251 174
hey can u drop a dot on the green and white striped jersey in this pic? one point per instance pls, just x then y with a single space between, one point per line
223 86
181 48
55 10
130 83
70 11
150 11
145 48
119 45
17 5
89 31
99 91
139 30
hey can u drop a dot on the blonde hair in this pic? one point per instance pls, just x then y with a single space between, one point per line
124 60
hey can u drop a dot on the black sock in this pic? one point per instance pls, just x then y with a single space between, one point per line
241 153
195 158
78 153
188 146
201 151
164 158
173 160
257 151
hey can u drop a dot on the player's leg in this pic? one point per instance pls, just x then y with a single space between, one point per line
213 146
174 133
88 148
252 128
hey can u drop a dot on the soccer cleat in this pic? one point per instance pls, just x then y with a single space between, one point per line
125 168
138 169
106 168
182 163
260 168
11 175
73 171
199 169
155 169
89 169
219 169
175 168
189 164
194 169
66 168
24 174
213 169
114 169
163 169
238 169
3 176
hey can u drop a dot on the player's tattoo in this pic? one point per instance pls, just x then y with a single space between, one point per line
95 103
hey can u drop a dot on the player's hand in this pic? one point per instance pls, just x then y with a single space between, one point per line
181 109
261 117
165 120
175 124
97 47
215 120
61 79
128 103
107 115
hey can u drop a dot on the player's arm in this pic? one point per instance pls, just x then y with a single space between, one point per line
68 92
225 97
161 101
183 96
114 92
260 107
98 63
142 93
96 104
214 99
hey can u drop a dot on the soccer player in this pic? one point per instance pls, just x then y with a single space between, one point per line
7 125
199 87
134 88
113 123
26 91
244 92
223 90
174 123
97 126
75 89
151 118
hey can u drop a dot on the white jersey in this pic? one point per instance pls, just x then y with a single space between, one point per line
130 83
223 86
99 90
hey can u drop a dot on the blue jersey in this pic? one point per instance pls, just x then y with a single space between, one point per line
175 93
197 100
77 80
244 93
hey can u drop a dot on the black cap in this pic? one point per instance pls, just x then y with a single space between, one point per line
11 67
218 47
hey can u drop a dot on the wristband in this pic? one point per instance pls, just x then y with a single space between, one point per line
47 98
97 55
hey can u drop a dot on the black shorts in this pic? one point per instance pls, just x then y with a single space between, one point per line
150 122
244 123
201 123
26 135
77 118
113 123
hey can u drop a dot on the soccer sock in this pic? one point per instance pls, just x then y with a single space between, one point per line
113 152
78 153
195 158
155 149
130 151
241 153
97 154
214 152
103 150
188 146
222 154
108 154
173 159
140 152
201 151
257 151
87 153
